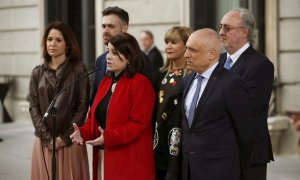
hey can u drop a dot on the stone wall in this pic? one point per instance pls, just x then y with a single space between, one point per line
287 53
19 50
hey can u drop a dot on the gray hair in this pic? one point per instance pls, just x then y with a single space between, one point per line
250 24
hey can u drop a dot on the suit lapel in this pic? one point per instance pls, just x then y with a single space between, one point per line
208 89
244 56
189 80
242 59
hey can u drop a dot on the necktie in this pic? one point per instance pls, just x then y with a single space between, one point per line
194 101
228 63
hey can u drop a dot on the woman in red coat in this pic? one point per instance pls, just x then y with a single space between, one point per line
119 121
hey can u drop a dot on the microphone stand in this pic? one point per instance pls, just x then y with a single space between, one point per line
53 114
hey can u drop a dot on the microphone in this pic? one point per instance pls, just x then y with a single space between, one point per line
61 91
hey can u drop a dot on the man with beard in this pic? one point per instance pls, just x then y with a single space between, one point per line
114 21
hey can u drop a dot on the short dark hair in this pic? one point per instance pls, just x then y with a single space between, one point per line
121 13
128 46
149 33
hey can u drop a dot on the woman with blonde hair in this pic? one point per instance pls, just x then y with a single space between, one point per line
167 113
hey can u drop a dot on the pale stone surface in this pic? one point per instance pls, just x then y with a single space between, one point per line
289 37
10 3
19 51
288 141
289 8
21 87
149 11
276 125
19 18
289 67
290 98
19 41
18 64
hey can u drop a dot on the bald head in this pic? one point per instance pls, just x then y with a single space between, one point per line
203 49
207 38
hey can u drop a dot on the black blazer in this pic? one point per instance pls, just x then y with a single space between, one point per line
155 61
220 138
258 72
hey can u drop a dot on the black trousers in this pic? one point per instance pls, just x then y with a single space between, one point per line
189 173
160 174
255 172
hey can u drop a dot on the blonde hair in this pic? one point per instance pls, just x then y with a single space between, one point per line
177 34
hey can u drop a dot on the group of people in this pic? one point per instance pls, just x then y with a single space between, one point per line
201 115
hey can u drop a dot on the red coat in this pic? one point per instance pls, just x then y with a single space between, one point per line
128 151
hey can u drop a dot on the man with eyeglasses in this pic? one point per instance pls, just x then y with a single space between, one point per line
237 34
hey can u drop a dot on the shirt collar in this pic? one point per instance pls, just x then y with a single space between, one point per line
206 74
148 50
235 56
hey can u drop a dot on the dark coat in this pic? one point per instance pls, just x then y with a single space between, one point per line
258 72
220 138
155 61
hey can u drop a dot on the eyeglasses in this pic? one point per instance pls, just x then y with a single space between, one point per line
227 28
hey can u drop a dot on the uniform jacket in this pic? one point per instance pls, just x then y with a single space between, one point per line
71 105
128 150
221 132
258 72
168 119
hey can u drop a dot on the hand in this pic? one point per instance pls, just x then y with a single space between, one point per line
50 145
295 120
99 141
76 136
59 143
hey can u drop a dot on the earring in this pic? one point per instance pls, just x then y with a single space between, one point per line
67 51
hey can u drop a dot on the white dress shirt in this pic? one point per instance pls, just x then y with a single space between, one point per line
189 97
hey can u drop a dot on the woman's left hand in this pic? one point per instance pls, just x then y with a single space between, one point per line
59 143
99 141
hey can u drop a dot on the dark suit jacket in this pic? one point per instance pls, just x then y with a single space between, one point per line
99 75
156 61
258 72
221 131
